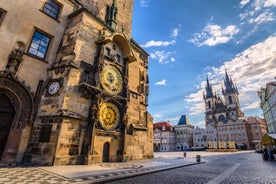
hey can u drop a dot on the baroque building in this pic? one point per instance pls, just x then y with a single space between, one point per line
267 96
73 83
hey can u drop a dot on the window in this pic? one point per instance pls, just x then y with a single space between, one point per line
39 45
45 133
51 8
2 14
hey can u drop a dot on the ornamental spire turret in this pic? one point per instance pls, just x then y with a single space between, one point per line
111 15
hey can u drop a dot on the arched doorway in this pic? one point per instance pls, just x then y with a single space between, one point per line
106 152
6 118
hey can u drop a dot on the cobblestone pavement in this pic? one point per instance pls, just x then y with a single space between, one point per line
31 175
98 173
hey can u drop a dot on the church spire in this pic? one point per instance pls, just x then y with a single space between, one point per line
229 85
209 90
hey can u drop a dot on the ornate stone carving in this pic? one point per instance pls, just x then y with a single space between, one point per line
15 59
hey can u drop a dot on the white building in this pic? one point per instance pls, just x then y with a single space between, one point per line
201 137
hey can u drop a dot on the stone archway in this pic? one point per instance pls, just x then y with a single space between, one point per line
106 148
6 118
18 100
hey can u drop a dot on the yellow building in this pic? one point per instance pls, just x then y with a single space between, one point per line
73 83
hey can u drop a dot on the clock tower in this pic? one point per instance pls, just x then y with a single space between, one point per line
94 105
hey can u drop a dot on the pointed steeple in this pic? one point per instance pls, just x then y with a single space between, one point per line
229 85
111 15
209 90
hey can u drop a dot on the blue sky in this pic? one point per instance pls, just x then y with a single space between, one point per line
188 40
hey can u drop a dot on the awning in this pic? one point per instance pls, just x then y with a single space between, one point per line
268 139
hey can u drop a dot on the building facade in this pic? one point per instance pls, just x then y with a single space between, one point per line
73 83
267 96
203 137
164 137
183 134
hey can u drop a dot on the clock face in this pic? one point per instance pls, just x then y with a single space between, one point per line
53 88
109 116
111 80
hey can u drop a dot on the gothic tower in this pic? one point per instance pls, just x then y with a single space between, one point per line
210 102
231 98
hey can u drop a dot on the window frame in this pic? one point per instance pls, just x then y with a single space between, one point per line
47 2
36 30
4 12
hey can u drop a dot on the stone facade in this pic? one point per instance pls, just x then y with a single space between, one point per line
82 98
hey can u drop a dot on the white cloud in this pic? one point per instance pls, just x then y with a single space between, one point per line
264 17
260 4
214 34
162 56
144 3
250 70
175 32
244 2
161 83
153 43
158 118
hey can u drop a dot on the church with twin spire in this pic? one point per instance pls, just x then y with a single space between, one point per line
226 124
222 108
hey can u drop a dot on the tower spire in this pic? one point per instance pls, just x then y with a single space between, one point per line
229 86
209 89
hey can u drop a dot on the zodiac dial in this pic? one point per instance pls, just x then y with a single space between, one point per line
111 80
109 116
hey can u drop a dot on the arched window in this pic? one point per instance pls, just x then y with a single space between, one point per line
209 104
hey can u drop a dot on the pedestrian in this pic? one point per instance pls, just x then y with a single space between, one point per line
265 155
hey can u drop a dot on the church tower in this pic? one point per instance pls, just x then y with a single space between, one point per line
231 97
210 101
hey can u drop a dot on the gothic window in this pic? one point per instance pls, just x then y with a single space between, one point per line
230 100
52 8
209 104
39 44
2 14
